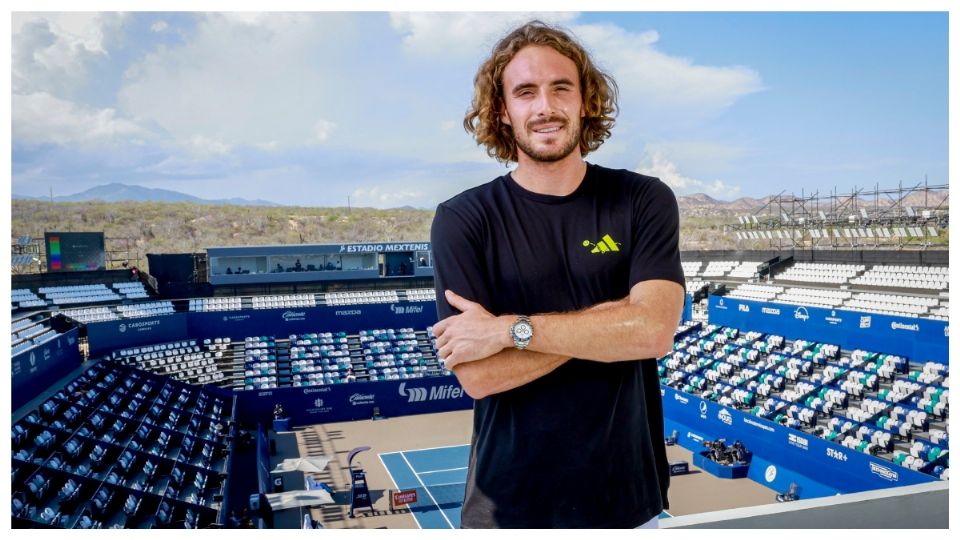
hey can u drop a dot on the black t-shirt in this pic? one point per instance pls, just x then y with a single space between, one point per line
583 445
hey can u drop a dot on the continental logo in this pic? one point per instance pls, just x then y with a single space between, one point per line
900 326
604 245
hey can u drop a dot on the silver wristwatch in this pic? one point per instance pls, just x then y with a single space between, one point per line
521 332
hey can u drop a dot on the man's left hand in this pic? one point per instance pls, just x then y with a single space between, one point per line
472 335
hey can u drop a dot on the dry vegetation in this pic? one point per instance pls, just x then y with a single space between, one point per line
187 228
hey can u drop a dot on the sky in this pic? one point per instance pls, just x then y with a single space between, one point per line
315 109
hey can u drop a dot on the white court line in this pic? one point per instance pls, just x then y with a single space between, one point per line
424 449
432 448
445 470
413 514
442 513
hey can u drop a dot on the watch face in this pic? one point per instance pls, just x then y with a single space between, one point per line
523 331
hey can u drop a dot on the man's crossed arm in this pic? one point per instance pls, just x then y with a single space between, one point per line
477 346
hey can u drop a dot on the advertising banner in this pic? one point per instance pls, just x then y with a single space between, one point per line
353 401
814 462
108 336
918 339
283 322
33 371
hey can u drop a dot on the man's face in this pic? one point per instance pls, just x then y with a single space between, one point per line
543 105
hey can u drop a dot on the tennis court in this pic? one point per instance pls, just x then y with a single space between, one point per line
438 475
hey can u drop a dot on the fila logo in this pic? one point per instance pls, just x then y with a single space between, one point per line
604 245
413 394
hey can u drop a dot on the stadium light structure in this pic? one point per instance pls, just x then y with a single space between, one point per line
879 218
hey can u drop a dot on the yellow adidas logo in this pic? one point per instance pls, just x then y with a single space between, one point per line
604 245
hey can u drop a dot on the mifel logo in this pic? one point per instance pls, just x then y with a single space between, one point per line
413 394
604 245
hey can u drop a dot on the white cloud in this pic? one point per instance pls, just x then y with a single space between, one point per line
52 52
461 35
379 197
656 164
159 26
263 80
322 130
658 87
202 145
40 118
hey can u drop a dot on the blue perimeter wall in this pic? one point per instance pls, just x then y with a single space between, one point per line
354 401
35 370
920 340
781 455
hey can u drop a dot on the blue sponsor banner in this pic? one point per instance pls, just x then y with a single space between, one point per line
687 308
918 339
283 322
354 401
34 370
814 463
108 336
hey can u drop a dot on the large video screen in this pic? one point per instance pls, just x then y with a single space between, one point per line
73 251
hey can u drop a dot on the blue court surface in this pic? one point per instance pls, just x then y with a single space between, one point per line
439 476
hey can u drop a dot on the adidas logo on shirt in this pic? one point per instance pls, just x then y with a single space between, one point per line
604 245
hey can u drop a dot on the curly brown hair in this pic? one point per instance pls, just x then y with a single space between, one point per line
598 89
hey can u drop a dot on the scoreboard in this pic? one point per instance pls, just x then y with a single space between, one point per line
74 251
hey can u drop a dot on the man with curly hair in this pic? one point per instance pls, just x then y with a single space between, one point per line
557 285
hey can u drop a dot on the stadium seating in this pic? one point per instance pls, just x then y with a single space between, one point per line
28 333
360 297
820 273
745 270
78 294
813 297
113 464
149 309
866 401
907 306
216 304
906 277
691 268
284 301
132 290
25 298
753 291
91 315
420 295
182 360
719 268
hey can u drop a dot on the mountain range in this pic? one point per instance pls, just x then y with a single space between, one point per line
117 192
696 204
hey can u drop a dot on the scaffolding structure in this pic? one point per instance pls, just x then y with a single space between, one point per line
26 255
915 217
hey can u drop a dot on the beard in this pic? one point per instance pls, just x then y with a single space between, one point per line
569 136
